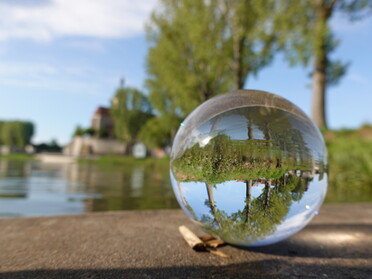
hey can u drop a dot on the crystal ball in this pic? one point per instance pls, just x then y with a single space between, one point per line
249 167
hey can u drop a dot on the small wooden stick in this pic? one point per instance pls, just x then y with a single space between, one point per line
219 253
199 245
214 243
192 240
207 238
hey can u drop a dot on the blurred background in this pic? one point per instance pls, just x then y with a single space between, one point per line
93 92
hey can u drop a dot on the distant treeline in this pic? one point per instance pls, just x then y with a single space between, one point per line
52 146
16 133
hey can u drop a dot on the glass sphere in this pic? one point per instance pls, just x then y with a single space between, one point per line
249 167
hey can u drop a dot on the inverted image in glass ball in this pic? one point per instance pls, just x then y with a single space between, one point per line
249 167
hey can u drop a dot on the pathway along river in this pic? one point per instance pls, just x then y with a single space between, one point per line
32 188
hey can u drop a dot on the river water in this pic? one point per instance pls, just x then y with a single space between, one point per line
32 188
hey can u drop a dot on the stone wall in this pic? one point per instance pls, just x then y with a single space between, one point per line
5 149
81 146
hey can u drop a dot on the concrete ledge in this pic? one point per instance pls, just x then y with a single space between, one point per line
146 244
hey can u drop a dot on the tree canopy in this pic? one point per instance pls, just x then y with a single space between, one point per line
16 133
130 110
199 49
203 48
308 38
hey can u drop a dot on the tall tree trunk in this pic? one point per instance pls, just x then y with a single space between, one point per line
267 193
248 197
238 46
181 194
212 203
250 130
323 10
215 123
319 91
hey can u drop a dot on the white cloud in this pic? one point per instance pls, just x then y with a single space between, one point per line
58 18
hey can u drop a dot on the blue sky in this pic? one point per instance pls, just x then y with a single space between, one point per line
60 60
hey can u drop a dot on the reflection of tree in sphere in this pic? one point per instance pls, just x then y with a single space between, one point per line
249 167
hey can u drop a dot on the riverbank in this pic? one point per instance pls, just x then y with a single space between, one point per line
146 244
17 157
350 164
122 161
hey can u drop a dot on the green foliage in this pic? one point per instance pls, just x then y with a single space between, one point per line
52 146
221 158
187 60
118 161
356 9
260 215
350 166
306 36
305 33
79 132
157 133
17 157
335 71
224 160
1 129
203 48
130 110
16 133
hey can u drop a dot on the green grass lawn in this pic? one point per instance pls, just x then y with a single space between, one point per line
350 165
122 161
18 157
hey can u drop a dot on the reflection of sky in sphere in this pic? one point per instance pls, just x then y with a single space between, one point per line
230 195
234 123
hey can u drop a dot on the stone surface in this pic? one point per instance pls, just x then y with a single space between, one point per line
147 244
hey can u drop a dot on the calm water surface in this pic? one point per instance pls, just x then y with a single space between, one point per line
32 188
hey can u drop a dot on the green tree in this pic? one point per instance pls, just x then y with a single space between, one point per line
79 131
187 60
2 123
16 133
306 32
7 134
156 131
203 48
251 40
257 220
130 110
212 204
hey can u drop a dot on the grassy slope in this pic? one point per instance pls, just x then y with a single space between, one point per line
121 161
350 165
18 157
